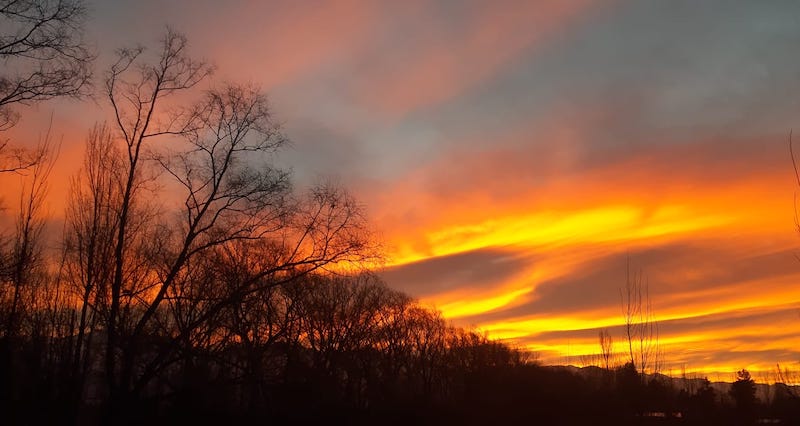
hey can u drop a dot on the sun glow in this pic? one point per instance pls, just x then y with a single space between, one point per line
564 240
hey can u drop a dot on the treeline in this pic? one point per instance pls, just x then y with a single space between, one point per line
342 348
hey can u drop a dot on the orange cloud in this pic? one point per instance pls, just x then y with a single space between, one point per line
708 221
444 62
279 44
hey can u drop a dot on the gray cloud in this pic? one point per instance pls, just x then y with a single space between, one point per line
479 269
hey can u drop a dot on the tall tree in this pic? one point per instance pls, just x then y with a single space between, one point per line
25 261
136 89
743 392
606 347
88 244
640 326
214 156
24 276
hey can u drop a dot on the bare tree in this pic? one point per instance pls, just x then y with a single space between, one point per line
641 328
25 261
88 243
261 322
606 347
338 316
24 276
216 156
135 90
427 334
44 54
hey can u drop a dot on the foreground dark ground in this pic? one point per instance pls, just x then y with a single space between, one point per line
488 384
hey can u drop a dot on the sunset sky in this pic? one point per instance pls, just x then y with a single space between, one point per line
514 156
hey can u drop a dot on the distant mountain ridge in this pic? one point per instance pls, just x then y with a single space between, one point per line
764 391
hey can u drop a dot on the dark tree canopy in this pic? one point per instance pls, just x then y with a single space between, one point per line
743 391
44 54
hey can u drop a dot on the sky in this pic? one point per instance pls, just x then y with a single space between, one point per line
517 158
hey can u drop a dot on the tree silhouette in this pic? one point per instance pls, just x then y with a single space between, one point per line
641 328
743 392
88 245
25 282
44 57
235 209
606 347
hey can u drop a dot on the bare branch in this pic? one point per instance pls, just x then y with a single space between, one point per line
45 55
